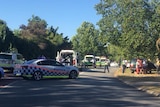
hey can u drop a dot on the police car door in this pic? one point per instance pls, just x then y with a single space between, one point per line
51 68
59 68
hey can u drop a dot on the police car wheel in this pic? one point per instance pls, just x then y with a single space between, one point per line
37 75
73 75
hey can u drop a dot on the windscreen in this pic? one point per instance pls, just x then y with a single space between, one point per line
66 54
89 58
5 56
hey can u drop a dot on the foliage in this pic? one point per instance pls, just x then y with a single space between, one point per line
87 40
131 25
6 37
127 29
35 39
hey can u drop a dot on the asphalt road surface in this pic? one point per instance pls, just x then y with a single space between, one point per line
93 88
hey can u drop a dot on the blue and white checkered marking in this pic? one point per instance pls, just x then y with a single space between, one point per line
29 70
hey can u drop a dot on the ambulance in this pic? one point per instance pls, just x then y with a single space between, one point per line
89 60
68 57
9 60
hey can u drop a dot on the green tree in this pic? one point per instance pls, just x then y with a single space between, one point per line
126 24
35 36
38 39
6 37
54 37
86 40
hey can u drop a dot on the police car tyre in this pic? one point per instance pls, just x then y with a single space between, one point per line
73 75
37 75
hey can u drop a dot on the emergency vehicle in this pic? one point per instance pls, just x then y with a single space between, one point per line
89 60
8 60
45 68
98 61
67 57
101 60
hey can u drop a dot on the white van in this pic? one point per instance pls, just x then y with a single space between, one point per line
8 60
67 57
89 60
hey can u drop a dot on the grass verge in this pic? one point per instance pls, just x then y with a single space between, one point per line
147 82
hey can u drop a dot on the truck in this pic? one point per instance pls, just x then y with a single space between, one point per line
68 57
9 60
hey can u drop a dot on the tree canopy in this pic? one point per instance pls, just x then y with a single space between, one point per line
127 29
33 39
86 39
131 25
6 37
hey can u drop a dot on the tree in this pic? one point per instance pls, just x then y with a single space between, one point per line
6 37
38 39
127 24
86 40
54 37
36 28
35 36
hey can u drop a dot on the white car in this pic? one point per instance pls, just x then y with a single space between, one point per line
45 68
114 64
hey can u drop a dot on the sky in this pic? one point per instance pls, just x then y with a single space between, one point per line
68 15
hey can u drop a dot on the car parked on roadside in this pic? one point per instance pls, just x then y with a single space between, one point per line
45 68
133 65
1 73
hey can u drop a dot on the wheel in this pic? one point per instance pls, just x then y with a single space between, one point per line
37 75
73 75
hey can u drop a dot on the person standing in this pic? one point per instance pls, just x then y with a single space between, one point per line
139 66
106 67
158 65
123 66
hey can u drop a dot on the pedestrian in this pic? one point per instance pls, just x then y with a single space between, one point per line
106 67
158 65
123 66
139 66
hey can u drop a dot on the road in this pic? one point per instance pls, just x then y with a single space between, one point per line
93 88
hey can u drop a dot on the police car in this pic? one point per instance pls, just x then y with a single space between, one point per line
45 68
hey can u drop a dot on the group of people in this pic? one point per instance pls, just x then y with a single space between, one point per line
143 66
